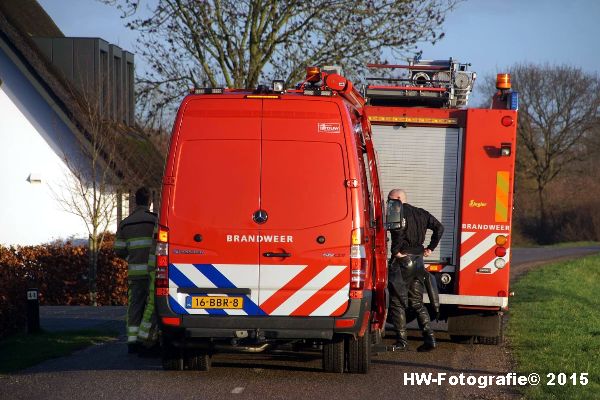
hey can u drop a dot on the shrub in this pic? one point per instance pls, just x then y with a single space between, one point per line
60 273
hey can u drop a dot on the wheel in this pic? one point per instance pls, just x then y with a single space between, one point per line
197 360
461 339
359 353
333 355
172 357
491 340
172 360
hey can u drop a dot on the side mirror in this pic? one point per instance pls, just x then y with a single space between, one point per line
394 215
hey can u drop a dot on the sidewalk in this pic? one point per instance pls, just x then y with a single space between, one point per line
70 318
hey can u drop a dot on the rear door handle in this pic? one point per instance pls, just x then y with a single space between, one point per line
271 254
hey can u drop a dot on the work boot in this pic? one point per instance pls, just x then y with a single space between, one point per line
425 325
428 342
401 336
401 344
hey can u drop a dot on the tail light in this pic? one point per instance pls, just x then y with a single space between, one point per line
500 251
358 260
173 321
434 267
162 262
501 240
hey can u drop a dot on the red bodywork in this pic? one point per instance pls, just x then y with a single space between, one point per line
301 159
485 195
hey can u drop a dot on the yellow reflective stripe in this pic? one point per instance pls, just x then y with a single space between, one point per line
420 120
133 329
138 267
137 273
139 243
120 244
502 185
152 260
144 326
132 339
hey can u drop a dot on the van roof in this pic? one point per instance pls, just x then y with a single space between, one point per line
242 93
255 95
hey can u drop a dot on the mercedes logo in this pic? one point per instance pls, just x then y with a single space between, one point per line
260 216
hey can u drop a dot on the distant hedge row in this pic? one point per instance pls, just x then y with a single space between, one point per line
60 273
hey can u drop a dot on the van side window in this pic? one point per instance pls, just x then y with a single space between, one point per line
365 171
366 177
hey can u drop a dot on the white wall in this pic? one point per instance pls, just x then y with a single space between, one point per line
31 135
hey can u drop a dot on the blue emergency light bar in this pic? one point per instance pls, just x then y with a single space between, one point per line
513 100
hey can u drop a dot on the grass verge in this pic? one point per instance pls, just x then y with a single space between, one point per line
22 351
555 328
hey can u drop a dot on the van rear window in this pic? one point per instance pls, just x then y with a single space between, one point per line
303 183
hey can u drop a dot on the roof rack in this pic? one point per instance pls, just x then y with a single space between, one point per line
433 83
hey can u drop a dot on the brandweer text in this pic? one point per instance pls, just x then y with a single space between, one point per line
260 238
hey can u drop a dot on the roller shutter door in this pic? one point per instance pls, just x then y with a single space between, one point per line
424 161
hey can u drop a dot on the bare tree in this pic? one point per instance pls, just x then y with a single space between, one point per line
191 43
89 188
559 111
105 162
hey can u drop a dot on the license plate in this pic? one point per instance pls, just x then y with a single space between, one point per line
220 302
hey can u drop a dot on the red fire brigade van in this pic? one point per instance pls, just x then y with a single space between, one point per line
457 163
271 226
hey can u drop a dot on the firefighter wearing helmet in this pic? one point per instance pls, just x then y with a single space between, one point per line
407 275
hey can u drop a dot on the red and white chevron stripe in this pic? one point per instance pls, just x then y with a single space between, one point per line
284 290
477 250
304 290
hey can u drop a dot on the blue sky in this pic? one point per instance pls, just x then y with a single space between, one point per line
490 34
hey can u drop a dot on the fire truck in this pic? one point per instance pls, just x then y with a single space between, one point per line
458 164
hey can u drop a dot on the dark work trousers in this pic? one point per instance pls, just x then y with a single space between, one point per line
405 284
138 294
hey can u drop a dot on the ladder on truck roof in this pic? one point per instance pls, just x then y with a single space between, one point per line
429 83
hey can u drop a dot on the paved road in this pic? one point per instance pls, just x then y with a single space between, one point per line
522 256
107 371
523 259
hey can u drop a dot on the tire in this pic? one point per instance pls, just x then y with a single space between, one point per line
493 340
489 340
197 360
172 361
333 355
359 353
172 357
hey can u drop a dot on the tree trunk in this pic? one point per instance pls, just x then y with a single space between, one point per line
93 267
543 234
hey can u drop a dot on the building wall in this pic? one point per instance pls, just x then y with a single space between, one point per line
32 140
103 71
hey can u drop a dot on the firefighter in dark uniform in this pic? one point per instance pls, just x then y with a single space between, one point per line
407 277
133 243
